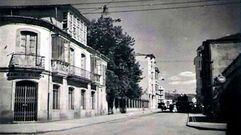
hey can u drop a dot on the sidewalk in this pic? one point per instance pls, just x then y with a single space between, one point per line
33 128
200 121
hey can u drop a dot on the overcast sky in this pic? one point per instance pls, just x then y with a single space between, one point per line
172 35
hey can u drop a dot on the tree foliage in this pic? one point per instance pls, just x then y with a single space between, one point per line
123 73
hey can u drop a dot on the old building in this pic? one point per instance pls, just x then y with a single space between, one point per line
150 79
48 72
213 57
160 96
198 69
161 93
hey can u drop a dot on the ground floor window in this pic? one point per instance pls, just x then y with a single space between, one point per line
55 96
83 99
71 98
93 100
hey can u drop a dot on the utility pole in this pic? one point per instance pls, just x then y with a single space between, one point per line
104 11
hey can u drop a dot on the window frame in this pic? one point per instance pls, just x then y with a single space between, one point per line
56 103
18 39
71 98
83 102
93 100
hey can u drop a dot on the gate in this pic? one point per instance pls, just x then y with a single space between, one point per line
25 106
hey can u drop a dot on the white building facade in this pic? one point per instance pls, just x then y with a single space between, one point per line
47 71
150 77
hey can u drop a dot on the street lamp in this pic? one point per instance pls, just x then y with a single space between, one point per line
220 79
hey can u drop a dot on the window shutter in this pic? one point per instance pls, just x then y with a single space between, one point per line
66 51
54 47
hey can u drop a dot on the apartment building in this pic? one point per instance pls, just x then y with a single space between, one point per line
149 82
48 72
213 57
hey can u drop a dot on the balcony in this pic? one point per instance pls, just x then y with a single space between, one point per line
95 78
27 62
78 73
60 68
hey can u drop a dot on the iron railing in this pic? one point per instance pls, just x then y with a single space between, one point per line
60 67
64 68
27 61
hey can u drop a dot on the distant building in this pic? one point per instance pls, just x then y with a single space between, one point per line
150 81
48 72
213 57
161 93
198 69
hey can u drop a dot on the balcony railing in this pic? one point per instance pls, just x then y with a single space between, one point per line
95 77
60 67
79 72
29 61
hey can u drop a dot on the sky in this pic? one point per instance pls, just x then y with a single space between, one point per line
172 35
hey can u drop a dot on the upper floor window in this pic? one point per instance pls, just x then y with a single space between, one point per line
65 20
104 74
28 43
75 27
71 56
83 61
93 63
60 48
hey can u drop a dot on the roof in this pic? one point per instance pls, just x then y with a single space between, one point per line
146 55
231 38
60 6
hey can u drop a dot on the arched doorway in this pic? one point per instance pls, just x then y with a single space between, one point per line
25 105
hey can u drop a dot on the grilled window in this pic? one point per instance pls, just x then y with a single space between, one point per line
93 100
55 97
83 99
71 98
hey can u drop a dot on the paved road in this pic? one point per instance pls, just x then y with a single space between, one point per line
154 124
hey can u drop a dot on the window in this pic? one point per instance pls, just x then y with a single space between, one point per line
65 25
71 56
70 22
104 74
93 100
55 96
60 48
85 35
83 99
71 98
28 42
93 64
83 61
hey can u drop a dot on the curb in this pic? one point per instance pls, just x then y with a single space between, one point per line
206 128
126 116
199 125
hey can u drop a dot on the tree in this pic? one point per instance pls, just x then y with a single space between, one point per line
123 73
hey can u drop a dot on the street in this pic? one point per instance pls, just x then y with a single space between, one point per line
153 124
